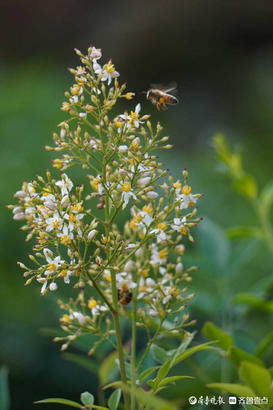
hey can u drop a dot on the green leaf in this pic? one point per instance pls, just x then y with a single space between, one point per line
246 186
172 379
266 198
192 350
87 398
257 378
243 232
88 364
60 401
114 399
237 389
212 332
159 354
264 344
237 356
146 373
128 370
253 301
108 368
4 390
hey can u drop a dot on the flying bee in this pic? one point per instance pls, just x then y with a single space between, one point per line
124 294
161 96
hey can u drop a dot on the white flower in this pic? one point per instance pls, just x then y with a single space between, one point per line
161 236
179 224
132 119
158 257
129 266
73 219
127 193
54 223
125 280
94 53
53 264
65 184
44 282
109 72
79 317
145 286
66 236
186 199
82 115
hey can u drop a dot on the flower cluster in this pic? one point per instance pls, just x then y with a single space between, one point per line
81 236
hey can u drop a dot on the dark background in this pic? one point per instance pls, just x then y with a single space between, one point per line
220 55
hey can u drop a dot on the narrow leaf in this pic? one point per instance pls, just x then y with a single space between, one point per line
243 232
237 356
114 399
172 379
60 401
212 332
264 344
159 354
108 368
193 350
146 373
237 389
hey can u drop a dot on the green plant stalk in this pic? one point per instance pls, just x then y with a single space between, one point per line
119 342
133 353
265 225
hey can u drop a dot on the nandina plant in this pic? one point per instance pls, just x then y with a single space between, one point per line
118 240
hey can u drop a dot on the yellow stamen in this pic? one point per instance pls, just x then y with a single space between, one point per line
183 230
186 189
163 254
129 96
177 185
65 240
162 226
51 267
56 224
148 209
92 303
126 187
65 318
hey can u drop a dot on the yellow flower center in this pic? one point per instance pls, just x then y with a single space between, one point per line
65 240
78 207
110 68
118 124
72 218
162 226
148 209
177 185
108 277
186 189
92 303
133 117
126 187
183 230
42 238
163 254
56 224
51 267
65 318
145 273
65 106
134 146
63 273
75 90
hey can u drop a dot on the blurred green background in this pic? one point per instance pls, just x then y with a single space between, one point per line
220 54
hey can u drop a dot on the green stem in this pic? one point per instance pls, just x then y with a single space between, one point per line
119 341
133 351
265 225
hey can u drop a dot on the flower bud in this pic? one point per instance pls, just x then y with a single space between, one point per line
152 195
179 268
91 234
144 181
123 148
53 287
129 266
19 217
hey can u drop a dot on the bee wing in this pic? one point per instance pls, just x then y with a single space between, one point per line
171 87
